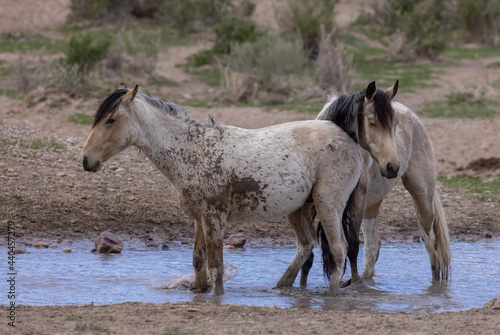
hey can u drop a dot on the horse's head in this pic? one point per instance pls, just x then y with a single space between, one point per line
112 130
377 128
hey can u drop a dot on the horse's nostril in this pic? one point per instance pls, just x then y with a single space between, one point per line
85 160
390 169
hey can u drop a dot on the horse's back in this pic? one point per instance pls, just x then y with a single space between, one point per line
276 167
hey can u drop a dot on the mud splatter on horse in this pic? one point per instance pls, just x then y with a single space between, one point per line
227 174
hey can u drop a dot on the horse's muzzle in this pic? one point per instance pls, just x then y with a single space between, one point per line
390 171
87 167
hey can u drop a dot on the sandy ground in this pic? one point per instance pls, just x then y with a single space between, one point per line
49 197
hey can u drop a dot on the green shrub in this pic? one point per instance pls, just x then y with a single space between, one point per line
305 18
231 30
86 50
231 27
479 20
114 10
421 22
273 61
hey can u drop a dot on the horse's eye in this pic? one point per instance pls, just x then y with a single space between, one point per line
110 121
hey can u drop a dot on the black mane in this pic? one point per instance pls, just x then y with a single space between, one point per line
346 109
110 104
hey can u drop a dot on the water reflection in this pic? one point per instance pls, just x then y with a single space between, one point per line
50 277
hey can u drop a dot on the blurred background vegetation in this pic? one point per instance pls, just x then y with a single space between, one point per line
111 41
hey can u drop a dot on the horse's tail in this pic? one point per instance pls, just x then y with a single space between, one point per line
438 238
442 237
350 233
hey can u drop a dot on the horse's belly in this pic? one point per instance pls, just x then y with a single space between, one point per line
275 204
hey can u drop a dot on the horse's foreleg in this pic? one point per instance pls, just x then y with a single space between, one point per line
199 259
301 222
213 226
371 237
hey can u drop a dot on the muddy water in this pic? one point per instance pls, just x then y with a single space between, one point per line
401 284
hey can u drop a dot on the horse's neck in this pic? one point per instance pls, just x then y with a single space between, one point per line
166 140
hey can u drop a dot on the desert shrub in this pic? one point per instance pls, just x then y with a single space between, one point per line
64 78
479 20
29 79
305 18
274 62
114 10
421 22
333 68
230 31
231 27
85 50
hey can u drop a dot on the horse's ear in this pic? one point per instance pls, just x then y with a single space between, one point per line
391 91
371 90
129 97
122 85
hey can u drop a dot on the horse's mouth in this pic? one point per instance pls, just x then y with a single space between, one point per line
97 166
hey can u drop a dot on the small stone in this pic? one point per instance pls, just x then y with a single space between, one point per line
61 174
488 235
53 246
20 251
113 167
165 246
108 243
66 250
236 240
41 245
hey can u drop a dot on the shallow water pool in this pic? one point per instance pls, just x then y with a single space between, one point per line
401 284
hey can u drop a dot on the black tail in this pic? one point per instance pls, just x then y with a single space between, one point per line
350 233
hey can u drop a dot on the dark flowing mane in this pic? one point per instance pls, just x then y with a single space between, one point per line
110 104
344 110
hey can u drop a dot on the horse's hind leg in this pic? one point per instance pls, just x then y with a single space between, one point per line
330 208
371 238
301 222
432 225
356 216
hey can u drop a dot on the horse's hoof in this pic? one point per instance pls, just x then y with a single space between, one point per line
345 283
199 290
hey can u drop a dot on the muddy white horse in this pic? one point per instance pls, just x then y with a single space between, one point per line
227 174
416 170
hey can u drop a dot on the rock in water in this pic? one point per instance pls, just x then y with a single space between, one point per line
108 243
236 240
